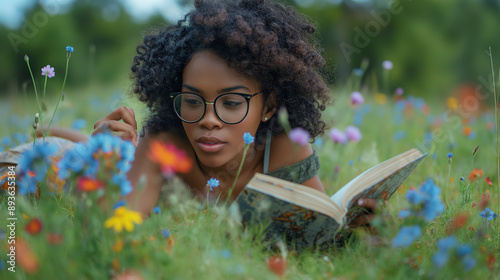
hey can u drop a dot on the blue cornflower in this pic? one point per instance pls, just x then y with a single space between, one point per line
449 155
35 161
70 49
425 202
414 196
156 210
119 203
165 233
449 245
121 180
213 183
79 124
488 214
406 236
6 141
248 138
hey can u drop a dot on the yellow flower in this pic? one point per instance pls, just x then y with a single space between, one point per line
381 98
123 218
452 103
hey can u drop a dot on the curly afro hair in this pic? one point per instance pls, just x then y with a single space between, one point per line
260 39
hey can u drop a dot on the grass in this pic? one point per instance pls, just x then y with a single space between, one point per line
207 243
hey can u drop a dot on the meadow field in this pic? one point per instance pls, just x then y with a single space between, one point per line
64 235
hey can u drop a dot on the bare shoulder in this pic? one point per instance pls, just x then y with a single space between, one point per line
284 152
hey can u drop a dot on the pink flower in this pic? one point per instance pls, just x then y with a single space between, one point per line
48 71
357 98
353 133
387 65
399 91
338 136
299 135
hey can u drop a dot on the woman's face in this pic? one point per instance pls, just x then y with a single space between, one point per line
217 143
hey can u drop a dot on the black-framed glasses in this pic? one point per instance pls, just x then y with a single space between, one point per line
231 108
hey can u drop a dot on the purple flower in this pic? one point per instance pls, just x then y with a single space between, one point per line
353 133
387 65
357 98
248 138
406 236
213 183
488 214
399 91
299 135
338 136
48 71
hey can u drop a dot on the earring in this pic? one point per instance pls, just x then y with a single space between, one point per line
265 119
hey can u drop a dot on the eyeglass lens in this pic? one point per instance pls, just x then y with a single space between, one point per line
231 108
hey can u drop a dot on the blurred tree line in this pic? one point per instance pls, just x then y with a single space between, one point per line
434 45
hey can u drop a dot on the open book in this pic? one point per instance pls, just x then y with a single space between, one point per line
307 217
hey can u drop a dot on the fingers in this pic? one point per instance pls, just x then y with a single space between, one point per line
369 203
362 220
127 129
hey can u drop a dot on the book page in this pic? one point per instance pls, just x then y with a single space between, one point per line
380 181
297 194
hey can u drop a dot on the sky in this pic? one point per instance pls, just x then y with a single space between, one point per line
12 11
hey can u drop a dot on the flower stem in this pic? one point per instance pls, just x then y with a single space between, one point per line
44 88
445 192
239 171
38 103
62 91
495 97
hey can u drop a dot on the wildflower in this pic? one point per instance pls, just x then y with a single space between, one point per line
156 210
33 166
399 91
381 98
120 179
449 155
484 201
277 265
338 136
488 214
26 258
299 136
54 238
462 179
357 98
387 64
86 184
170 158
467 130
449 246
48 71
123 218
34 226
475 174
118 246
26 58
70 49
406 236
213 183
457 222
165 233
452 103
353 133
488 180
425 202
248 138
119 204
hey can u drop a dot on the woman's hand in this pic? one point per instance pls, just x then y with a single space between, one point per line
370 206
127 130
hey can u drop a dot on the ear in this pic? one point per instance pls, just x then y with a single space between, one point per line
269 108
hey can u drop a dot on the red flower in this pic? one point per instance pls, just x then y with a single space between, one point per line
277 265
488 180
54 238
475 174
457 222
87 184
34 226
171 159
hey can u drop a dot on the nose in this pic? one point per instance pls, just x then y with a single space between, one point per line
210 119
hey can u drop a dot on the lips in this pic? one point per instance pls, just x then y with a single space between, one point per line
210 144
